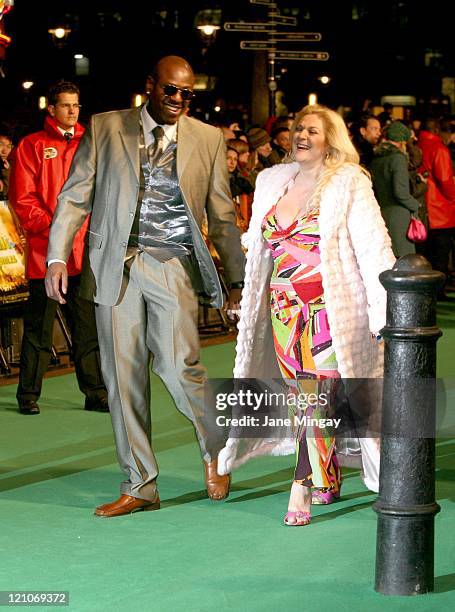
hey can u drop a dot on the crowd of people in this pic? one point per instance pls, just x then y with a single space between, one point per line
411 164
120 215
412 167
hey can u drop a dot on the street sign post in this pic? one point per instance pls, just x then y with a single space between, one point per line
257 45
254 26
277 37
272 28
297 37
246 26
321 56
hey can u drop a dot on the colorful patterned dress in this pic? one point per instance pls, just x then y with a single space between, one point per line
301 335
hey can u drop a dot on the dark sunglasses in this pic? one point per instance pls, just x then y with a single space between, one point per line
171 90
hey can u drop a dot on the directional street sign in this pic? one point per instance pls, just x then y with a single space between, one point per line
297 36
273 29
257 26
282 19
269 44
257 45
321 56
245 26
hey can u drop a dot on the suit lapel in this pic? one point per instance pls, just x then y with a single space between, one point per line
130 139
187 141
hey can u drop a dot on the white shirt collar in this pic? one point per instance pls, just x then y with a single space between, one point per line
170 131
63 132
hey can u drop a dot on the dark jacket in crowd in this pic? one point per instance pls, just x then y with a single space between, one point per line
389 169
416 179
277 155
239 184
365 151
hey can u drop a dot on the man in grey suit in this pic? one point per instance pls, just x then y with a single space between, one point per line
149 177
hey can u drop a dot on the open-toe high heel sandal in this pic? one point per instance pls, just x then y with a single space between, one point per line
297 519
324 496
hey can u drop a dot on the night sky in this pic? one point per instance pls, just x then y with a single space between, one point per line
381 51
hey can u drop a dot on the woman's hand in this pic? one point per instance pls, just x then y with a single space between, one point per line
233 304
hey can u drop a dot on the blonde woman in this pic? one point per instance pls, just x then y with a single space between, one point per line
312 303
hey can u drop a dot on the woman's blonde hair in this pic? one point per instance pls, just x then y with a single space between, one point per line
340 150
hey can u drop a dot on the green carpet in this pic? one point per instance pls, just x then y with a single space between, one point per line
194 554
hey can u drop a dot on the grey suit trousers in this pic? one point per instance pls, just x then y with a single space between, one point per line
154 321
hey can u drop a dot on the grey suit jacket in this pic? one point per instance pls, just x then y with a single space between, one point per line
104 181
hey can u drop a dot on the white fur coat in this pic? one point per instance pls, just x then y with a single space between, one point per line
355 248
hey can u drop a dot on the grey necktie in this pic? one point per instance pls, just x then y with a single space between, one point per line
156 148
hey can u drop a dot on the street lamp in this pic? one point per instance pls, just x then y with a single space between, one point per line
27 89
208 30
208 22
59 34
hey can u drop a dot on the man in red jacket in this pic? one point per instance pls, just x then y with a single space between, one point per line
440 197
40 166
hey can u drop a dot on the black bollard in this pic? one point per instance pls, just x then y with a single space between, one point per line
406 505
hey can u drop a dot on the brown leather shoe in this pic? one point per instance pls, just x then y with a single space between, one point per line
217 486
126 504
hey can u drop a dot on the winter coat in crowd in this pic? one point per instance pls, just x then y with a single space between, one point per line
440 195
389 169
40 165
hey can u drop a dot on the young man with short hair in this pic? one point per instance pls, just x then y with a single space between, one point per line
40 166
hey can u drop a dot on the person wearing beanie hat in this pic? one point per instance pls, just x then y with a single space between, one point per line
398 132
389 169
259 142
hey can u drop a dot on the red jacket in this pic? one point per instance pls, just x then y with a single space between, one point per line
440 195
39 168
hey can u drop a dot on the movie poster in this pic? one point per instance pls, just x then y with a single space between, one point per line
13 285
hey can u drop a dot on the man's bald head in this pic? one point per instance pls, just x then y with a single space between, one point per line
171 62
170 85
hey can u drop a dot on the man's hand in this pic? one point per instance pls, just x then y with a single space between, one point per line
233 304
56 282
